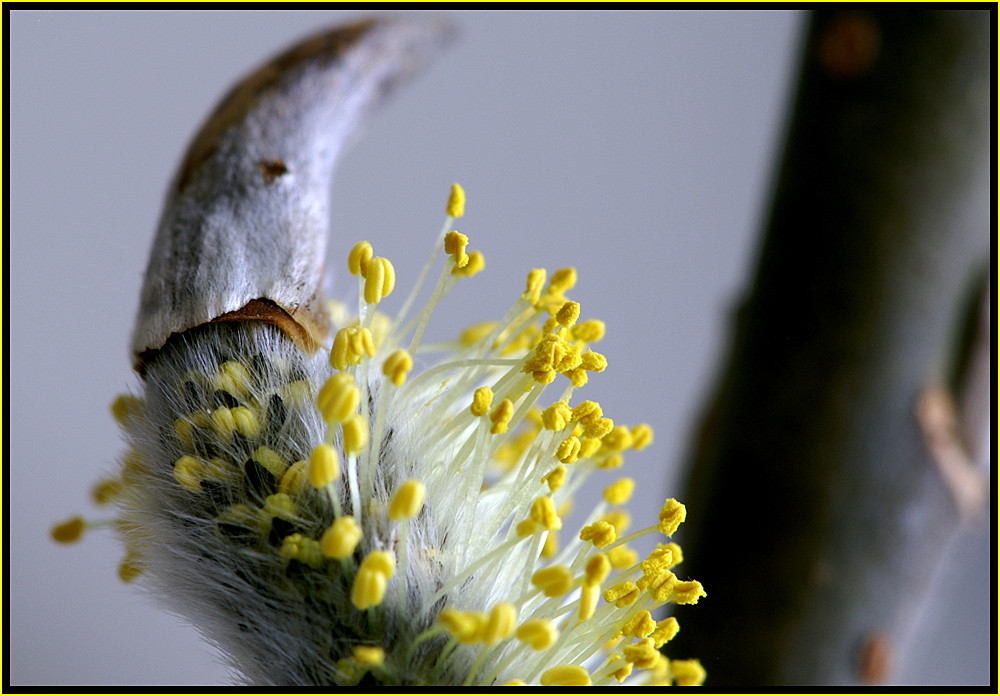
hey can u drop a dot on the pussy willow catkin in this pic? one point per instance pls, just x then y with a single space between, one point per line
328 499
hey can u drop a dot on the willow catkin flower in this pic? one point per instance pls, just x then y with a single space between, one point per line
328 510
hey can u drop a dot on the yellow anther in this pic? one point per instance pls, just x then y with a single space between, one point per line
677 556
619 519
536 280
323 466
622 557
245 421
562 280
588 447
233 377
589 594
124 407
458 623
568 314
544 376
623 594
302 549
555 478
570 359
601 533
618 439
660 672
551 546
660 558
593 362
660 583
280 505
642 654
456 202
620 491
556 416
599 428
621 674
539 634
671 515
587 411
341 538
297 393
552 326
350 345
687 672
543 513
688 592
397 365
358 258
475 264
501 416
526 528
371 655
355 430
380 280
515 682
597 569
566 675
187 472
553 581
642 436
578 377
106 491
380 561
547 354
477 332
339 357
368 589
589 331
499 624
455 244
271 460
130 568
339 398
665 631
223 423
640 625
569 450
69 531
463 625
612 461
481 401
294 479
407 500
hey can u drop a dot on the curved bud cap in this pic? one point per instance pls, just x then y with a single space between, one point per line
244 227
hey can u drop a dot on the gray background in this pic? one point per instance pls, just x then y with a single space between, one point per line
637 147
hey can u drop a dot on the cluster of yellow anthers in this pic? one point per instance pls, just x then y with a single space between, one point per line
446 513
557 605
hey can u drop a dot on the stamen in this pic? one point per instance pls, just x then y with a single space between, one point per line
456 202
341 538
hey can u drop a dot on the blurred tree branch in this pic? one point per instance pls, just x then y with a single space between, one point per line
820 507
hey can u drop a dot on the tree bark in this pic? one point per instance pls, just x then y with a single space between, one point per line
819 515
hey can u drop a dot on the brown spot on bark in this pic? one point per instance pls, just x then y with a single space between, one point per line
272 169
874 658
849 46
